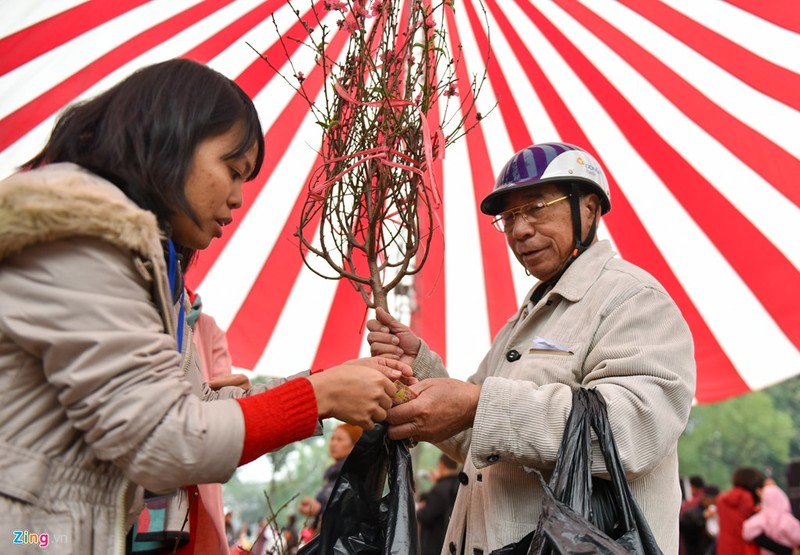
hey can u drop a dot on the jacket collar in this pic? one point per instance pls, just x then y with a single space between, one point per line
584 271
581 274
59 201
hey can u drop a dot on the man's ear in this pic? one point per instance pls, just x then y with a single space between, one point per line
591 203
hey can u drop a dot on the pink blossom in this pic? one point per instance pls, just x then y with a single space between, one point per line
377 8
338 5
300 76
349 23
430 22
451 90
359 9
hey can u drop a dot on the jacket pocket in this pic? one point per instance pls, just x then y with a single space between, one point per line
31 530
550 352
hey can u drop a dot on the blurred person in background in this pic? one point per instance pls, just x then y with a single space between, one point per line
436 505
734 507
774 520
695 532
343 439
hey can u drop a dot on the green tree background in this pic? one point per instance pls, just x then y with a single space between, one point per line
760 430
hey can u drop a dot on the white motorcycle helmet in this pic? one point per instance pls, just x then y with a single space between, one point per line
546 163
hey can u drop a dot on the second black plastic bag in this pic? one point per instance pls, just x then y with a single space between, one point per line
582 513
360 518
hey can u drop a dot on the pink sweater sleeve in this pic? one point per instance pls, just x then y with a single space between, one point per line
753 527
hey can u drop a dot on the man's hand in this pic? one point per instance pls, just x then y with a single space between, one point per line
443 407
392 339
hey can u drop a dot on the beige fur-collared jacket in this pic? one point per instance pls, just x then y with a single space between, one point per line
93 393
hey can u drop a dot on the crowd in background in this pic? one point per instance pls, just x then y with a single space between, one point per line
285 535
753 517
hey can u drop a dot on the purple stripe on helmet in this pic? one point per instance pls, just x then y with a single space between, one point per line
540 160
530 163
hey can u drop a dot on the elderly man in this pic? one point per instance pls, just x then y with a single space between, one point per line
592 320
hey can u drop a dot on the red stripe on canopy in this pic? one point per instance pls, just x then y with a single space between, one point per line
277 137
724 225
15 125
26 44
783 13
501 299
763 75
766 158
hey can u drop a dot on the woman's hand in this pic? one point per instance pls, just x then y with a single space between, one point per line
232 380
355 393
388 367
309 507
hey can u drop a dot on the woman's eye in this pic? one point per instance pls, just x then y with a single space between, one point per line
235 174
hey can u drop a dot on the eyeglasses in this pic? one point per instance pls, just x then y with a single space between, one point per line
532 213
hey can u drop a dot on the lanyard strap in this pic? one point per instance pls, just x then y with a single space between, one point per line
172 273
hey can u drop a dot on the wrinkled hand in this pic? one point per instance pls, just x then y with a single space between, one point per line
387 365
233 380
443 408
354 393
392 339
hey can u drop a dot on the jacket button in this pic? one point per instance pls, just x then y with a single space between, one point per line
493 458
452 547
463 478
513 355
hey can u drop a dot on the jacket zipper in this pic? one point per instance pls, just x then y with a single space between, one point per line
188 357
121 533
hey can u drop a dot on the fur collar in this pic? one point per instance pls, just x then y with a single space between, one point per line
64 200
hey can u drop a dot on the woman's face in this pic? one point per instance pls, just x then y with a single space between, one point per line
340 444
213 189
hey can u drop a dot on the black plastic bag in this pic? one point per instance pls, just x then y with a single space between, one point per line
359 518
581 513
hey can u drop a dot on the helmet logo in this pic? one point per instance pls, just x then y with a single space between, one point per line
589 166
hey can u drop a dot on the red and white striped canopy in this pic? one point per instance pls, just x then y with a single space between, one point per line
692 107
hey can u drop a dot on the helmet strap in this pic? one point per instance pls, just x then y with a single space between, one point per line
575 205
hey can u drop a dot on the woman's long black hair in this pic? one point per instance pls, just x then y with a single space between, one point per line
142 133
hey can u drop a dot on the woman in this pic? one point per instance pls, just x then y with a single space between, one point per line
734 507
93 345
343 439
